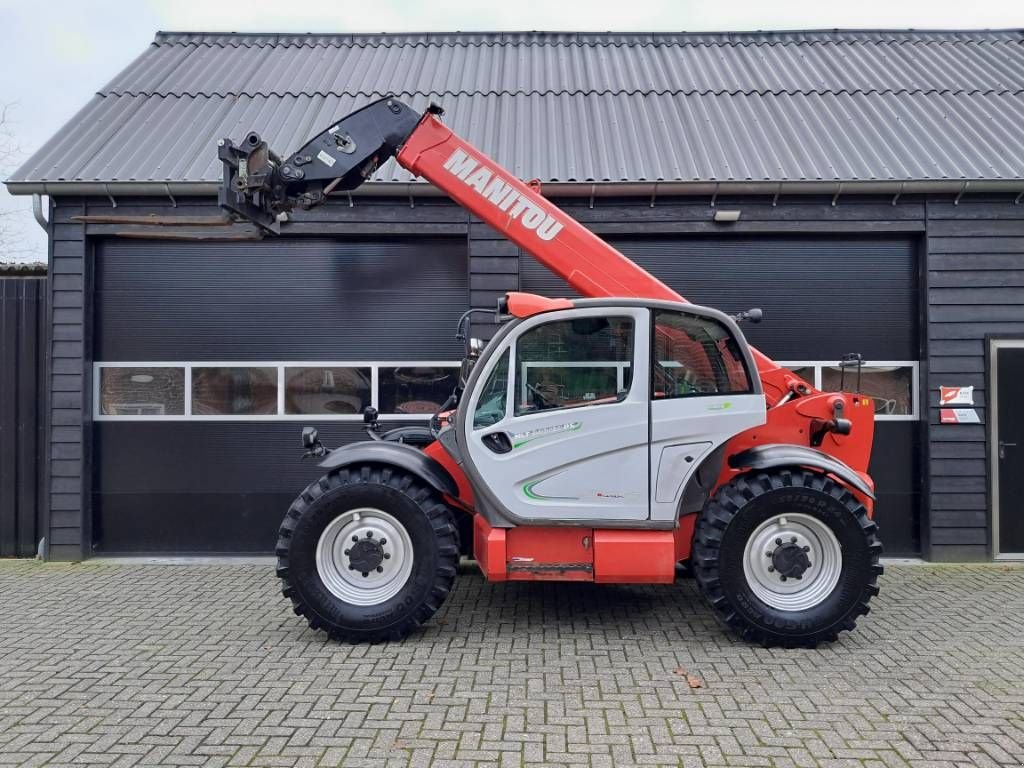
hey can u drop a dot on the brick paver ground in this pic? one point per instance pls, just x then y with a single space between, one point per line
205 665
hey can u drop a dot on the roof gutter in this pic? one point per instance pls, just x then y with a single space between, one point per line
583 189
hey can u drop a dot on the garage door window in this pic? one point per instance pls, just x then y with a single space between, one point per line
327 390
142 391
234 391
260 390
415 390
892 385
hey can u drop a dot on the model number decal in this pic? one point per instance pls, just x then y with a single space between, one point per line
528 436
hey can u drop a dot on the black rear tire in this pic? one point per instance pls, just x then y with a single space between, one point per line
739 510
408 502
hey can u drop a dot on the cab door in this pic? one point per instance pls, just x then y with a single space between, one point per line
558 429
704 391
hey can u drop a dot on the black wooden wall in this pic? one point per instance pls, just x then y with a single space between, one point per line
22 413
958 242
975 285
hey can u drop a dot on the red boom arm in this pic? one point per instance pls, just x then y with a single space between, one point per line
589 264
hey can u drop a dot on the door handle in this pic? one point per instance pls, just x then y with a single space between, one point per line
1002 448
497 442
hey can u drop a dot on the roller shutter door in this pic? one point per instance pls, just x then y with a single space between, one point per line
822 297
223 486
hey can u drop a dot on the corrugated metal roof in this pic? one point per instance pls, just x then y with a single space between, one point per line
566 107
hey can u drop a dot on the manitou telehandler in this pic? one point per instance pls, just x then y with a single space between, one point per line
603 439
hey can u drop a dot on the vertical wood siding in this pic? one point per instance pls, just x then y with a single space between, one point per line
975 287
70 420
22 413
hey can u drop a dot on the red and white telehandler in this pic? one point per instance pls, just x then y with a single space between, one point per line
604 439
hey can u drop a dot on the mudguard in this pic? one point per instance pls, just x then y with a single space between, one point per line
397 455
782 455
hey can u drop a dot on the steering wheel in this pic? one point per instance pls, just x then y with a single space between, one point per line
540 400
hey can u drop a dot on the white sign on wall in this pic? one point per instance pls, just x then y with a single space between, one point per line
956 395
958 416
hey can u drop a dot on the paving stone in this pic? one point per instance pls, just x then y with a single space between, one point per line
126 665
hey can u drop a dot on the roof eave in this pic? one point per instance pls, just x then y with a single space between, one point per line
554 189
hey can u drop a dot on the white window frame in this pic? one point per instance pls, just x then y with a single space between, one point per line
915 379
376 365
279 365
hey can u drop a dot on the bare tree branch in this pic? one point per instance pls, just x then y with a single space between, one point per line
13 243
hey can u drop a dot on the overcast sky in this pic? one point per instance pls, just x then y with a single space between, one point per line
57 53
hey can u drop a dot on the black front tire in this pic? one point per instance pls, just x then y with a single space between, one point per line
432 532
734 515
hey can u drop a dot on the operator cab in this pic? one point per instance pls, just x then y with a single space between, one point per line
600 410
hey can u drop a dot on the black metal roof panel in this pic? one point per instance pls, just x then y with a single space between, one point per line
586 107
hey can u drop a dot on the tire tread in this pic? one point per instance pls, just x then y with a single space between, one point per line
720 511
441 521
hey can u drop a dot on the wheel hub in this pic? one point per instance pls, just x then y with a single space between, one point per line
365 555
790 560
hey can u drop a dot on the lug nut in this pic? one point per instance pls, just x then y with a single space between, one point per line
766 554
355 538
807 549
387 556
369 534
348 551
365 574
793 540
351 567
770 569
781 577
383 542
799 575
380 569
778 542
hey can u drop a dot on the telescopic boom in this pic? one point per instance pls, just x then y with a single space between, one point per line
263 188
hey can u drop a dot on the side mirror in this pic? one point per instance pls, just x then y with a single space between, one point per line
755 315
310 437
369 415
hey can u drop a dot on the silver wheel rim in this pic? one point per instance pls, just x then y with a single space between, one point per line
379 584
819 579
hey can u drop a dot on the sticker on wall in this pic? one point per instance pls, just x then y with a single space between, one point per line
958 416
956 395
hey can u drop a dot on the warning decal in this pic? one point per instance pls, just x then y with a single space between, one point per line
956 395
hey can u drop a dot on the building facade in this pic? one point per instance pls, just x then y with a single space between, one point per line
879 213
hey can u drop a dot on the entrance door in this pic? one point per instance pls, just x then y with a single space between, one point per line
1008 447
558 430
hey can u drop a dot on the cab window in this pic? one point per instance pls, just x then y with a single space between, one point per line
572 363
490 407
695 356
